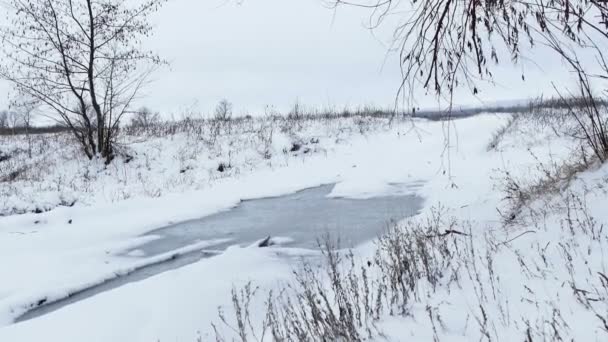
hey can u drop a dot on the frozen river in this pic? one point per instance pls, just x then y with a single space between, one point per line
294 220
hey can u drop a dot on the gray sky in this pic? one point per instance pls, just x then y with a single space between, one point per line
271 52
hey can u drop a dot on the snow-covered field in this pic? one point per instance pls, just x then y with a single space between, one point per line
539 278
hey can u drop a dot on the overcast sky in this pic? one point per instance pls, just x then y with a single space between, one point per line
273 52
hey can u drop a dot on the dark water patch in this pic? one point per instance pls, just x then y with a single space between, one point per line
303 217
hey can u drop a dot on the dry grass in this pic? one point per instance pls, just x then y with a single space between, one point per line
551 178
341 299
563 283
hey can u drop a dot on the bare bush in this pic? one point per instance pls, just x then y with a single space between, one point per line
499 134
551 177
244 329
416 251
296 112
144 117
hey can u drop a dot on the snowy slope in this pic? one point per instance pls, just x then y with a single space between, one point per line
46 256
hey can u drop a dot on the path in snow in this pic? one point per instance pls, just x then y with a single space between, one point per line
295 220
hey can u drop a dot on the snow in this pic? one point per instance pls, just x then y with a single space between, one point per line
83 252
138 313
53 257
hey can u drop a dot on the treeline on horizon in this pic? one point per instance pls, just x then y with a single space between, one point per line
552 103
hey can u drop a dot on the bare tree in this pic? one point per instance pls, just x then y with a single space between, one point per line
23 117
82 60
144 117
13 121
223 110
3 119
447 44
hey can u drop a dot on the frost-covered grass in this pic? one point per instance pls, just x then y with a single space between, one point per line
162 158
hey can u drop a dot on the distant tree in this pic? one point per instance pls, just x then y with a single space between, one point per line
82 60
3 119
223 110
14 120
24 115
144 117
